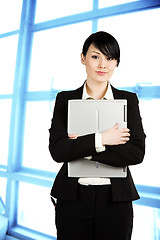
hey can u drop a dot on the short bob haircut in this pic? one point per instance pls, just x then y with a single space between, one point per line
106 44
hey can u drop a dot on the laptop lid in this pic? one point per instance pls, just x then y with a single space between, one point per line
91 116
87 168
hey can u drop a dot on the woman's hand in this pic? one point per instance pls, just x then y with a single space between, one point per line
115 136
72 136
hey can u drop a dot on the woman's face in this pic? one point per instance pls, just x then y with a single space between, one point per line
99 67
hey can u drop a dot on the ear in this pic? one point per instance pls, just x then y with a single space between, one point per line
83 59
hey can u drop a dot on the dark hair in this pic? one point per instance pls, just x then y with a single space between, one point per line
105 42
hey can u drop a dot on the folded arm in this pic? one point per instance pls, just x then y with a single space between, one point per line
122 146
131 147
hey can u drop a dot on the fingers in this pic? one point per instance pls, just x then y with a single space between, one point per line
125 130
72 136
116 126
124 138
124 135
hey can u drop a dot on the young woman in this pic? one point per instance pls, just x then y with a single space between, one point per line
96 208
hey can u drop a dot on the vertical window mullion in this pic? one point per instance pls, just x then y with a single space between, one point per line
18 108
95 20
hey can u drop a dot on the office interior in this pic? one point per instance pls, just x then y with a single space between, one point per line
40 46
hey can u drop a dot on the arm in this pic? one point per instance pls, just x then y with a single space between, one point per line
131 152
62 148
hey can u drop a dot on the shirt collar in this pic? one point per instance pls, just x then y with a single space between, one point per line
108 94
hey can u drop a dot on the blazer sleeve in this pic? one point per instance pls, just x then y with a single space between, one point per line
63 149
133 151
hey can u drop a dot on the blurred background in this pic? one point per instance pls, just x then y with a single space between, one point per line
40 47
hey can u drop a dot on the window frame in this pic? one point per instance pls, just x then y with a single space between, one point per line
14 172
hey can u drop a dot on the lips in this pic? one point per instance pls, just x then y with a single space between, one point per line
101 73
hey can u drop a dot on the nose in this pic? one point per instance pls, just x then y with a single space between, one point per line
102 63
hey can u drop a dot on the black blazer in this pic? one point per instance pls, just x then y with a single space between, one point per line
63 149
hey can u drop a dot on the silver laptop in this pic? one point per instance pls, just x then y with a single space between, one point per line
90 116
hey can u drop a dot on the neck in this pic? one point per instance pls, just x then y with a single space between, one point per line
96 90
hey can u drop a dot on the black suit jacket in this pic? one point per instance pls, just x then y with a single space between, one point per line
63 149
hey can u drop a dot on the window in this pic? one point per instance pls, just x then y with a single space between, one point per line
5 108
138 66
36 154
36 217
55 57
41 56
139 42
10 13
150 228
8 49
47 10
150 165
103 3
2 195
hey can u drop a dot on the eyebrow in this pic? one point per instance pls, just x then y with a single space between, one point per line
96 52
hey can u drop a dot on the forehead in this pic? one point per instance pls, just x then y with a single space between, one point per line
93 49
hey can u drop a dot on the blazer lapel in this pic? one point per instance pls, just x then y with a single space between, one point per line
77 94
117 93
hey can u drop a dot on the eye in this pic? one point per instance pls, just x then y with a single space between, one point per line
95 57
110 58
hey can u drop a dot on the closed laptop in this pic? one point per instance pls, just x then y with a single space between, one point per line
91 116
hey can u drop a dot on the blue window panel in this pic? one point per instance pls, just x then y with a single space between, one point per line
5 108
2 206
8 50
20 85
95 20
150 196
48 9
147 226
150 165
38 120
138 66
18 111
56 60
109 3
5 96
98 14
41 95
10 15
36 217
8 34
20 232
144 92
2 195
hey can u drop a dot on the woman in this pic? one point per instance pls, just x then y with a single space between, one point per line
96 208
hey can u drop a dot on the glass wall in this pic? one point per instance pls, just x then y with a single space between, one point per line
40 47
2 195
41 216
109 3
48 10
139 37
146 223
5 108
8 49
10 13
55 59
